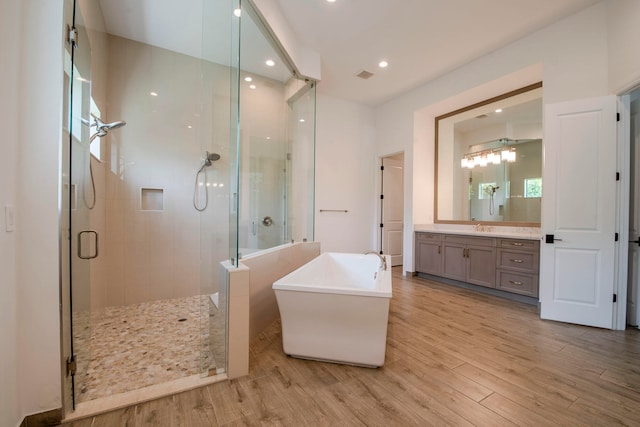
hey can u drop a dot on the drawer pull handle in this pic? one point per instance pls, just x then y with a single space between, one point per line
518 261
516 283
516 244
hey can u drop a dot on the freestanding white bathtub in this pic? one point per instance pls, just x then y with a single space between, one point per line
335 308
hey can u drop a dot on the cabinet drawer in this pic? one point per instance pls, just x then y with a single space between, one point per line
466 240
428 237
516 260
525 284
532 245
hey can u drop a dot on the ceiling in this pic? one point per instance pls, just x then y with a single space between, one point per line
198 28
421 39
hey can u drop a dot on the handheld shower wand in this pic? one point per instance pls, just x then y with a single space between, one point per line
208 161
102 129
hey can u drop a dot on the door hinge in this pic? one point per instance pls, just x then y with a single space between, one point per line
72 36
615 298
382 197
617 117
617 176
382 168
71 365
381 225
616 237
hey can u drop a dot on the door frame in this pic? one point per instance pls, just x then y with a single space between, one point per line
622 215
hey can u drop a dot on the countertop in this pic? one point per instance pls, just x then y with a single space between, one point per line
526 233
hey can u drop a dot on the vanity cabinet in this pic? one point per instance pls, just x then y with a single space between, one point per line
470 259
518 266
429 253
507 264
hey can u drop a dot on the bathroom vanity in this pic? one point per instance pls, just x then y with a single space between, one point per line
493 261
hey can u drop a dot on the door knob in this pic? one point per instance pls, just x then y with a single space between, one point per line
550 238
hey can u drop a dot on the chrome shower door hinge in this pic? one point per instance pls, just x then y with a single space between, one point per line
71 366
72 36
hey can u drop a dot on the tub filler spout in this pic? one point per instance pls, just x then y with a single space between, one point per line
383 260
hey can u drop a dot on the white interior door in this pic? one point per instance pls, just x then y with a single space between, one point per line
392 209
579 212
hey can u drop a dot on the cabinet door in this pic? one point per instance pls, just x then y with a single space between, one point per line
481 266
455 261
429 258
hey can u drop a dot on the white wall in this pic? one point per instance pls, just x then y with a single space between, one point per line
10 24
624 48
571 57
37 205
345 173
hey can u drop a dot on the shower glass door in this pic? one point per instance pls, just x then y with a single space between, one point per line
142 295
276 143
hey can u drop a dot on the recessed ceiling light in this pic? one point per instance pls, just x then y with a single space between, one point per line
248 79
190 127
383 64
301 120
499 110
237 12
153 94
331 1
252 86
268 137
270 62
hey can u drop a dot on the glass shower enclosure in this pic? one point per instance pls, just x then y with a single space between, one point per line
177 156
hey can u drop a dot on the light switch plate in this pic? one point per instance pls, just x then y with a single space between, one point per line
9 218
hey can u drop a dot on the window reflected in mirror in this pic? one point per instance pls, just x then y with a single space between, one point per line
489 161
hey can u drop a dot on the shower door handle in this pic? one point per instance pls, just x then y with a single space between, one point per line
89 233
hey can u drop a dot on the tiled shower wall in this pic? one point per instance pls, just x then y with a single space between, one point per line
175 251
151 252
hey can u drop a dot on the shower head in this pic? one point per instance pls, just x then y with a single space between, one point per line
211 157
106 127
102 128
114 125
208 161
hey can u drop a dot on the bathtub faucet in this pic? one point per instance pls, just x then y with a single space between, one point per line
383 260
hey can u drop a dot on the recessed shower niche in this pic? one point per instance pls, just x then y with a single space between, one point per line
152 199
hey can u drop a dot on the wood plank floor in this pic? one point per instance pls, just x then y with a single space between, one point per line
454 357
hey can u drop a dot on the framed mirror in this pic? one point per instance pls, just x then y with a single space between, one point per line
488 166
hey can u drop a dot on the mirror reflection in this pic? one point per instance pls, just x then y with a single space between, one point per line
489 161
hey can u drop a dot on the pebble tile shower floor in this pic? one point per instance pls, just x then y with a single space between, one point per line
125 348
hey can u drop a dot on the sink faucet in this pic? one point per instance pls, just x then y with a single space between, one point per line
383 260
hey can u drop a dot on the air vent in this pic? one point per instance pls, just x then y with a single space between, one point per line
364 74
